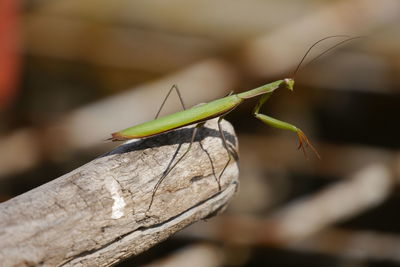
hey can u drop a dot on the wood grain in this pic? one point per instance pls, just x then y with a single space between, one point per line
98 214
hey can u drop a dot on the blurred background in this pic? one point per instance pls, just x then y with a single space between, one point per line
73 71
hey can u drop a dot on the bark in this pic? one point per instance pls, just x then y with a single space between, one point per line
98 214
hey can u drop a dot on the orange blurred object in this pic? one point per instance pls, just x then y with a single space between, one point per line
9 51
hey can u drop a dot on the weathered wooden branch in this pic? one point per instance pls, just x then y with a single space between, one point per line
98 214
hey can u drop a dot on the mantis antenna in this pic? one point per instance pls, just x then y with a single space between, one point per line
332 47
323 53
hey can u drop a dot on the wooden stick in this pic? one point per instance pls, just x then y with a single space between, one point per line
98 214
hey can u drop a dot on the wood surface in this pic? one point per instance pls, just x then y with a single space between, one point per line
97 215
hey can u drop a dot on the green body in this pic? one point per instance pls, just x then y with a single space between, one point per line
186 117
196 114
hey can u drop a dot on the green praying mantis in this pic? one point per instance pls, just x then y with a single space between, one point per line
219 108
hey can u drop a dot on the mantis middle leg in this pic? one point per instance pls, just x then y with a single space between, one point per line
230 153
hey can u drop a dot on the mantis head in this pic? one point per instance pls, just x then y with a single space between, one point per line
289 83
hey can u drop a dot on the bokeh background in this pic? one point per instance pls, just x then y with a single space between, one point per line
73 71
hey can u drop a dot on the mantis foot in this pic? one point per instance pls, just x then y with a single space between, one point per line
304 142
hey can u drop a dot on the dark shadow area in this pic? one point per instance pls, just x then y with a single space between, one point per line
383 218
373 119
159 252
264 256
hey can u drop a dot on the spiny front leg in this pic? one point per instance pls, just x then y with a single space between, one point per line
304 142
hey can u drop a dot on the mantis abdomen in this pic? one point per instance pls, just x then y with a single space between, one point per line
193 115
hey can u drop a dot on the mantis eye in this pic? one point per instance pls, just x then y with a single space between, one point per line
289 83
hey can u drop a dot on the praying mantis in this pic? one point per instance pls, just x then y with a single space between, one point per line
219 108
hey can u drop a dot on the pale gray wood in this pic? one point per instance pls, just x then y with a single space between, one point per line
98 214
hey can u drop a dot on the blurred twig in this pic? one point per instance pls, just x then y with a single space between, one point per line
307 216
283 47
354 244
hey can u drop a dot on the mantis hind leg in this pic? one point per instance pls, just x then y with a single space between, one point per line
166 97
230 154
165 174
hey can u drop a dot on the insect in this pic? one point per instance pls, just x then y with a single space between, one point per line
219 108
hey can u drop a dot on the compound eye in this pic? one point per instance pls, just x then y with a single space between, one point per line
289 83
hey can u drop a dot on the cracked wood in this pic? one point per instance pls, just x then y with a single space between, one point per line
97 214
